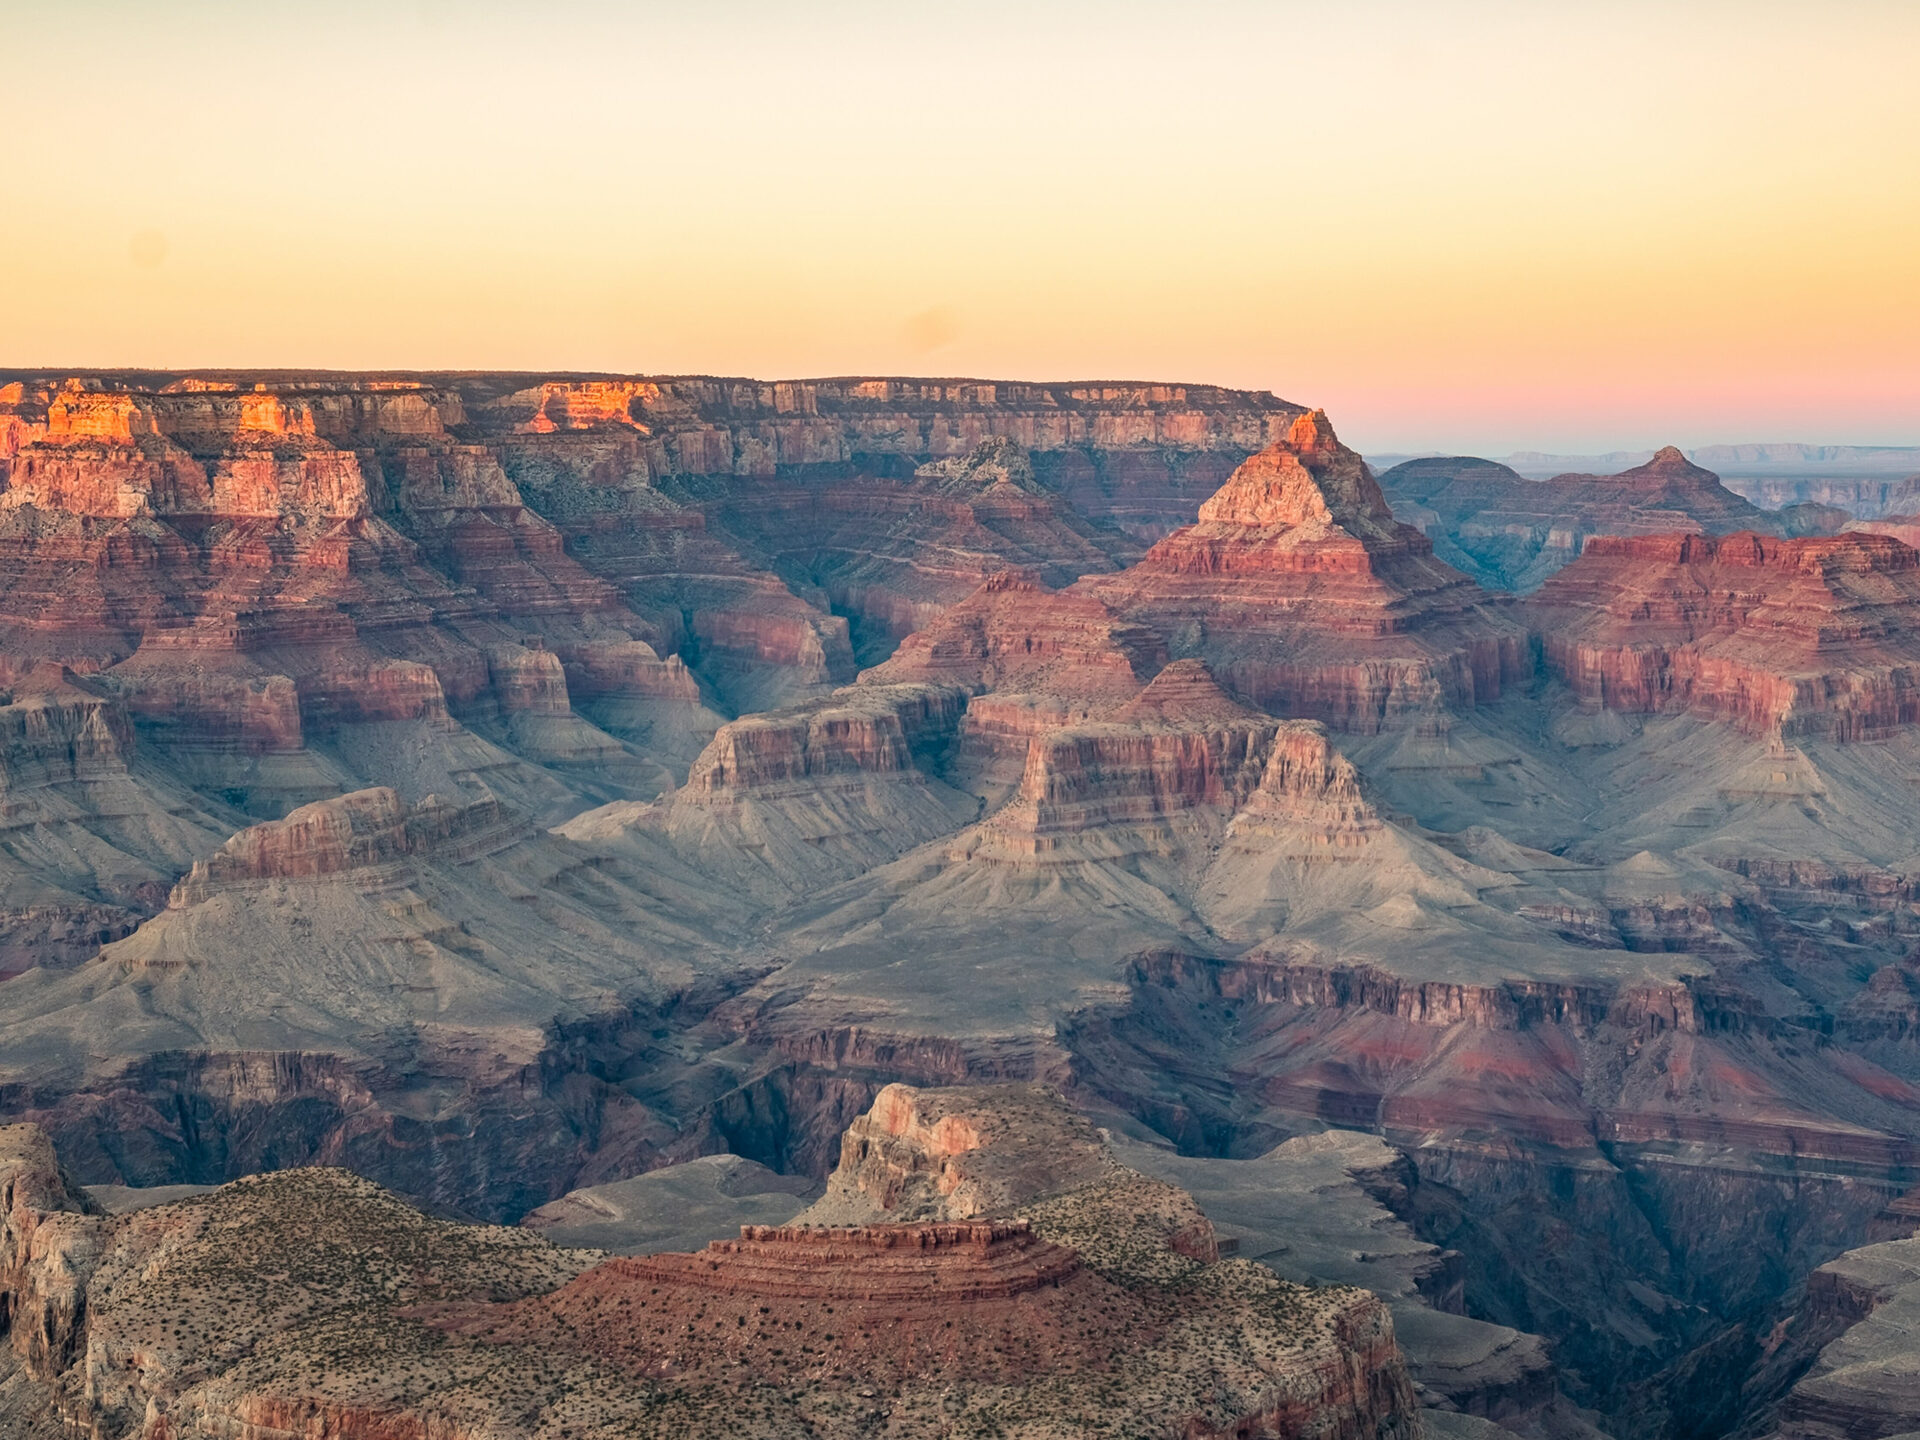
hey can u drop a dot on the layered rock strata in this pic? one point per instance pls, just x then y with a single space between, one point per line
1857 1323
1789 637
945 1264
782 804
1306 597
1025 1317
894 554
227 557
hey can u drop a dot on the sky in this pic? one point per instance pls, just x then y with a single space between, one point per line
1475 226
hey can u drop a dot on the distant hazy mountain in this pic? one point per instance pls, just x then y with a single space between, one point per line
1752 459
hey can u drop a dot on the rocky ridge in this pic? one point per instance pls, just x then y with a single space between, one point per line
1512 533
1777 636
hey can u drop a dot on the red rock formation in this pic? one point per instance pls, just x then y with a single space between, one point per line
952 1263
873 731
236 560
1306 598
1014 634
354 832
893 555
1784 636
1043 659
1181 743
899 1308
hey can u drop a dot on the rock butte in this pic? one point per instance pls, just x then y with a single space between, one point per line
1305 596
313 1300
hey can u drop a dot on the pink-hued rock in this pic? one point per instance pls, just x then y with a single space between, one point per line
1014 634
363 829
1181 743
871 730
1810 636
1306 598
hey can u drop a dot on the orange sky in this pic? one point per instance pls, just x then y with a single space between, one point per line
1456 225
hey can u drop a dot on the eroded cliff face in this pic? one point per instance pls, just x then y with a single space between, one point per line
259 574
1778 636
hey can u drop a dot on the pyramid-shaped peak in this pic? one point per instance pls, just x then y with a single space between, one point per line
1183 691
1309 478
1670 463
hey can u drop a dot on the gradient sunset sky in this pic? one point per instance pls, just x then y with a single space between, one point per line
1455 225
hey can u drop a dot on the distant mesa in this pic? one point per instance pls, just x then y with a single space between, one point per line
1512 533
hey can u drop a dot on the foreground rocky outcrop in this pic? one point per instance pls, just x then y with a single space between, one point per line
1854 1336
312 1300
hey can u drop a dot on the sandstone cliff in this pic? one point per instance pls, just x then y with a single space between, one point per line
1778 636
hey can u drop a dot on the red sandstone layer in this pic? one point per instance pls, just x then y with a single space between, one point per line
953 1263
1795 636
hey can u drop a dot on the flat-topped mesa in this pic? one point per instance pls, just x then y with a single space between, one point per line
364 830
748 427
1812 636
952 1263
1307 598
861 733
